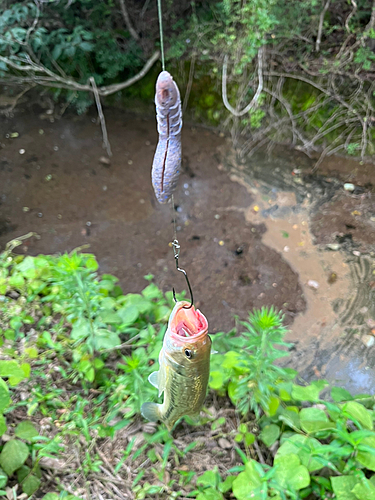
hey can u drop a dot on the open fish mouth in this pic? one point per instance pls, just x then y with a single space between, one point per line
187 323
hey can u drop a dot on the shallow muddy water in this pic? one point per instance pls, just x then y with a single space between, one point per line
250 234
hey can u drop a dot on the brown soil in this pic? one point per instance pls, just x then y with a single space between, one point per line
113 208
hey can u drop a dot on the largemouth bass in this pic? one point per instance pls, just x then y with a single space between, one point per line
184 367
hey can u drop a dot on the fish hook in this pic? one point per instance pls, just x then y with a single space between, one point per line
176 251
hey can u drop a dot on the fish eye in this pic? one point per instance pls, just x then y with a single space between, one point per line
188 353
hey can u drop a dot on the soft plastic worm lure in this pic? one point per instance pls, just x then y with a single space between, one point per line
167 160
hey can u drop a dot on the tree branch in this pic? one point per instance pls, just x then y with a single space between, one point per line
320 28
126 17
254 100
106 143
51 79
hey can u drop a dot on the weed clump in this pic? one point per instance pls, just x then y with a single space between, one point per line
75 354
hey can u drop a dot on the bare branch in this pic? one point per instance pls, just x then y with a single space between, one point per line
190 82
57 81
372 18
320 28
254 100
126 17
106 143
319 87
353 11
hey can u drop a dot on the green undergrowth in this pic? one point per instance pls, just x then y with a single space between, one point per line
74 360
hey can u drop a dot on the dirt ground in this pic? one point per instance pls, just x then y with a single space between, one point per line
252 232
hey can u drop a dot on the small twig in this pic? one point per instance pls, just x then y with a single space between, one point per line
15 100
259 453
106 143
126 17
372 18
190 83
124 345
254 100
353 11
320 28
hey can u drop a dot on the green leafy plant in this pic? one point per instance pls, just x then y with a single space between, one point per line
247 368
294 440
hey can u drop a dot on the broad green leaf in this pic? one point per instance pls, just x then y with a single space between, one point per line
359 413
108 303
217 380
210 494
142 304
27 264
92 264
232 388
339 394
26 368
152 292
11 369
31 352
80 330
110 317
30 484
4 396
3 425
51 496
309 393
290 473
248 484
227 484
314 420
13 455
16 281
249 438
231 359
364 489
269 434
284 395
342 487
104 339
209 478
26 430
273 405
291 418
128 314
162 313
302 446
367 458
3 478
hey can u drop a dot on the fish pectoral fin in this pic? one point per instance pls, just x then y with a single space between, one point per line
150 411
154 379
157 379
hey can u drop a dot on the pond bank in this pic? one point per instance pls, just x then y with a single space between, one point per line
247 240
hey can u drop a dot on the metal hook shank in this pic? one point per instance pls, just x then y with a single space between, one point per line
176 249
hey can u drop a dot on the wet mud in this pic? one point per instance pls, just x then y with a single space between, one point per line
60 189
253 232
327 235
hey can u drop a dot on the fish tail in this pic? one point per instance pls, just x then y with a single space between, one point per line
151 411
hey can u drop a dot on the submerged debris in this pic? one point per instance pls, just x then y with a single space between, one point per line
313 284
368 340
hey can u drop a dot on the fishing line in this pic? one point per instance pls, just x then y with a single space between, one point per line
161 35
175 244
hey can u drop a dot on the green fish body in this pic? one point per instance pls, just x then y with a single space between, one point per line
184 367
